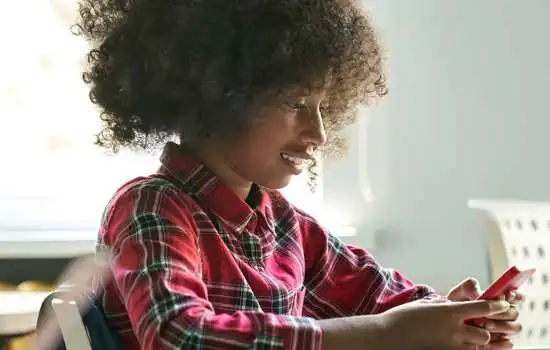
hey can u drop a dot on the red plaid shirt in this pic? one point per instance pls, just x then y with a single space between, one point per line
195 267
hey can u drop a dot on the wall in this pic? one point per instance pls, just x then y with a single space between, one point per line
16 271
466 117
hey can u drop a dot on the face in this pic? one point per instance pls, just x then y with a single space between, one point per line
281 142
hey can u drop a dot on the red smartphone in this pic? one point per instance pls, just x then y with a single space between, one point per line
509 281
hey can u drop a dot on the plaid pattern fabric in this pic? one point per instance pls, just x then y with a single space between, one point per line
195 267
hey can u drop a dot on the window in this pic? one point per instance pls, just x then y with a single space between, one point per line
299 193
55 183
41 86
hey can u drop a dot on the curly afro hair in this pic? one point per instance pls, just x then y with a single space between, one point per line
192 68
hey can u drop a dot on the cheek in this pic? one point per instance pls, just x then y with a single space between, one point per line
262 143
258 158
268 140
261 154
275 126
253 155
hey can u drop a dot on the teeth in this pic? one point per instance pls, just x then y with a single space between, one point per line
295 160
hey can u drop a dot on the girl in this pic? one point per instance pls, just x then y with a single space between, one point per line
207 253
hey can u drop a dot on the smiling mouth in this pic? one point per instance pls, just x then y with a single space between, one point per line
297 162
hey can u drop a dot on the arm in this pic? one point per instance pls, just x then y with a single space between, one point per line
343 280
157 270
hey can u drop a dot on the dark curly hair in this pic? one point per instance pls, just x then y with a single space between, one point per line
192 68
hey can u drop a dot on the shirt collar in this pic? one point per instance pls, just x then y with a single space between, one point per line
209 192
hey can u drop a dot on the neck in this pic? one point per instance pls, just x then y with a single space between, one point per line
225 172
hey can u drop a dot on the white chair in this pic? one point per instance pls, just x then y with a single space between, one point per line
75 321
518 233
60 323
70 322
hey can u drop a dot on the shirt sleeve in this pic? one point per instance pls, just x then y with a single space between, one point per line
343 280
157 271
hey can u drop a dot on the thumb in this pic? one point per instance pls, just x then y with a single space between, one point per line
466 290
479 308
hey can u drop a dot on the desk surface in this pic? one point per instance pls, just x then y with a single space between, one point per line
19 311
46 244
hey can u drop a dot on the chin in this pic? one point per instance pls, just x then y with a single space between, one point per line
276 184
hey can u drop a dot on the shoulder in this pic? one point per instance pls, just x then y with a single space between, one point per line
145 184
153 197
151 218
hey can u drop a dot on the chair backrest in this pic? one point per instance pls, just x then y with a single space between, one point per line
73 326
70 322
518 233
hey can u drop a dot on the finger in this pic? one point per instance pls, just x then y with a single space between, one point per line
466 290
503 327
434 300
514 297
475 336
496 337
478 308
499 344
511 315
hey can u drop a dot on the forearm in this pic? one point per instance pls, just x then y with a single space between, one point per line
345 281
198 327
354 333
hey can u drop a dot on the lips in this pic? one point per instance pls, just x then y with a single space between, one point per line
297 161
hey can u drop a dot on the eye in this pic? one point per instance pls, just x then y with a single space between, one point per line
296 104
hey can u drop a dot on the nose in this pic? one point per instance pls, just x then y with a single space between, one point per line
314 133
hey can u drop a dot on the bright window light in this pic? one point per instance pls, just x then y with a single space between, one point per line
54 178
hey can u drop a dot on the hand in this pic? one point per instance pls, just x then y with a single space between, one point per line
501 325
439 324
